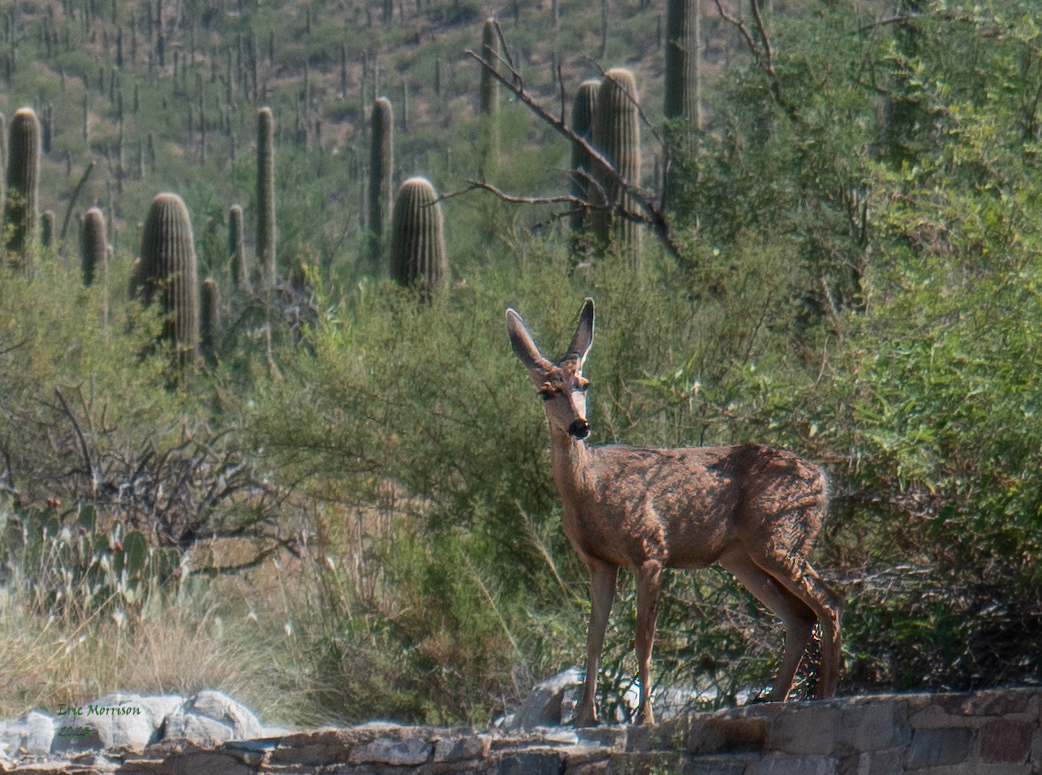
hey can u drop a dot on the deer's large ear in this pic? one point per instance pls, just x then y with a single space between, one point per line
583 338
524 347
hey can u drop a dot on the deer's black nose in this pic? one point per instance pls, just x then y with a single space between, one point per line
580 429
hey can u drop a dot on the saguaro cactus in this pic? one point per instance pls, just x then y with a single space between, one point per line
418 254
22 203
3 157
266 194
167 269
616 134
683 98
583 112
381 168
93 244
490 52
682 48
47 228
236 252
210 319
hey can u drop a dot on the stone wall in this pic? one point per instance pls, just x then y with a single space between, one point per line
991 733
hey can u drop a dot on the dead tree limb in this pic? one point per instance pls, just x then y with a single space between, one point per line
651 214
764 56
84 448
578 202
768 55
73 198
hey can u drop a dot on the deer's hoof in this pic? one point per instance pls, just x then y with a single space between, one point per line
588 719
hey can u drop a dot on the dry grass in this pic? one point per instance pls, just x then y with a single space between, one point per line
250 635
177 645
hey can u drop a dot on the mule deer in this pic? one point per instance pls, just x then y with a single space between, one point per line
753 510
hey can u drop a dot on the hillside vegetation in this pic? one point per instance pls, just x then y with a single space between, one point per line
336 503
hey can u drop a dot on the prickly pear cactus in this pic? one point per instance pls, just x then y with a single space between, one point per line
167 270
583 112
616 134
266 194
236 252
418 256
93 245
381 168
22 203
102 570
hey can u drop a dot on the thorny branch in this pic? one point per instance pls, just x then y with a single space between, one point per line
85 450
201 487
652 213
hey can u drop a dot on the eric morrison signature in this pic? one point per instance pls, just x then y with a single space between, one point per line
92 710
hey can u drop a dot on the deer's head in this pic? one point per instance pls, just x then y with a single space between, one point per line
561 383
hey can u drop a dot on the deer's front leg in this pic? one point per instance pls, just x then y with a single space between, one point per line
602 592
649 584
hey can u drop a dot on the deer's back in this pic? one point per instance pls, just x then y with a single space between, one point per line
688 505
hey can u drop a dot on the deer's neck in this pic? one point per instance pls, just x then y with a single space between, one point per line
572 463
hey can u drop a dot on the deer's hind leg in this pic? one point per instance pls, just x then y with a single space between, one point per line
796 616
803 581
649 587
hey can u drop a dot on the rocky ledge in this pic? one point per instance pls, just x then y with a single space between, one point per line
991 732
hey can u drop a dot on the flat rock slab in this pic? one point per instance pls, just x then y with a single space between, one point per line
993 733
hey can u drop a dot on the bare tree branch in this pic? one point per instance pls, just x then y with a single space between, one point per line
560 83
84 449
764 60
480 185
652 213
73 198
768 54
506 50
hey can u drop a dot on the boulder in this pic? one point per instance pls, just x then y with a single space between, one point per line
33 733
543 705
115 720
212 716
